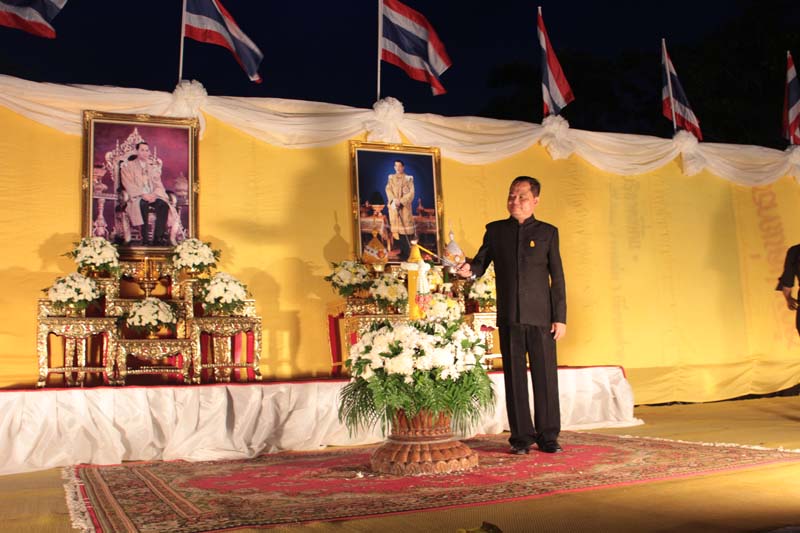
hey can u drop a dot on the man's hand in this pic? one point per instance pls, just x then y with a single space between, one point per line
149 197
558 329
464 270
791 302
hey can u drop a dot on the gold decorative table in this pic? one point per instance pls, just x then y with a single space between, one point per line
218 346
169 357
76 333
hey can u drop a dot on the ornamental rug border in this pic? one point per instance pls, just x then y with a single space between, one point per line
336 483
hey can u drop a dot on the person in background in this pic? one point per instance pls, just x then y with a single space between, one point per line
791 271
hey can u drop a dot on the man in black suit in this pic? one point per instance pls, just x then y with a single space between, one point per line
791 271
531 313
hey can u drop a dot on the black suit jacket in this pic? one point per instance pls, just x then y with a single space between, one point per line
791 268
530 276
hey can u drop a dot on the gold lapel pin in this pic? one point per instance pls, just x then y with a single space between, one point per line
533 244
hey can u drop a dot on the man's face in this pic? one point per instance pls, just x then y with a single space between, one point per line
521 201
143 152
399 167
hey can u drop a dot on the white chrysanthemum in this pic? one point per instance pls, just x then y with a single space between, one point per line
193 254
402 364
73 289
151 312
95 252
224 291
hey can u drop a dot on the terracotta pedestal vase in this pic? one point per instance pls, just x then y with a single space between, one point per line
423 444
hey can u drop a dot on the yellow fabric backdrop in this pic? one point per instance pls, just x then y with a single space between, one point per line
670 276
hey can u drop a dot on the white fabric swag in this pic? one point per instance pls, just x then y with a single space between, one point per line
469 140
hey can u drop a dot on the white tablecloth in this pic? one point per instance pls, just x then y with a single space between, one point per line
43 429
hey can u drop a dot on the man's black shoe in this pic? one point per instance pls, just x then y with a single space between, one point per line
520 450
551 446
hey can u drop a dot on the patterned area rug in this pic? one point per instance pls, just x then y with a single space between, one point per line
336 484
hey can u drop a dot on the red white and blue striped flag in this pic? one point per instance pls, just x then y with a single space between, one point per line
208 22
33 16
791 103
409 41
556 91
674 103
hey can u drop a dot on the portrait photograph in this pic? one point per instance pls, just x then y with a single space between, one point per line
397 198
139 181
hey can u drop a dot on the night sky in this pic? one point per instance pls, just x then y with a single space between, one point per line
730 56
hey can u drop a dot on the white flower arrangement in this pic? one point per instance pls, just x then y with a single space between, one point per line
223 293
348 277
389 290
75 290
194 254
95 254
442 308
414 366
484 290
150 315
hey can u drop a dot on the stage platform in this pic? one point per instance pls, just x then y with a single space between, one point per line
41 429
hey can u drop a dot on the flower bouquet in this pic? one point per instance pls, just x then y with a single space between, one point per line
150 315
73 293
96 255
349 277
420 366
194 256
390 293
223 294
483 290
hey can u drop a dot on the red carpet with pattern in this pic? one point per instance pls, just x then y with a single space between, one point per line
335 484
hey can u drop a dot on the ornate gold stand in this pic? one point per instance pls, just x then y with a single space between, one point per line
422 445
155 351
221 330
76 333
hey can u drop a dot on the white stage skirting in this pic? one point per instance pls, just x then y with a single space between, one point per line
50 428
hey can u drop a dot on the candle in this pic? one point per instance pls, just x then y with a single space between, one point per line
146 267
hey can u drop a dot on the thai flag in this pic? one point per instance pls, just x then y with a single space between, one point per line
791 103
208 22
556 91
409 41
674 103
33 16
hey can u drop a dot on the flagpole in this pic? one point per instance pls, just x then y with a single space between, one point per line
183 39
669 84
380 43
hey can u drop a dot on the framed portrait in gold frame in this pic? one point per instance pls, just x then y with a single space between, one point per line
396 197
139 181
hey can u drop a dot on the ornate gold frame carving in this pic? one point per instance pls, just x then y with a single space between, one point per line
89 176
395 151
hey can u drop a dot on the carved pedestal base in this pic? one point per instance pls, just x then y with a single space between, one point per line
422 445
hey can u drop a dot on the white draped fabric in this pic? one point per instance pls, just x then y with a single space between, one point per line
470 140
50 428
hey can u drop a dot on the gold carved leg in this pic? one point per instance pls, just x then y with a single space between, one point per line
43 352
109 352
186 363
197 361
69 359
257 352
122 365
80 349
222 356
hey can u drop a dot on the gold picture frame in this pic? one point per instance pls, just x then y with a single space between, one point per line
380 189
112 143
